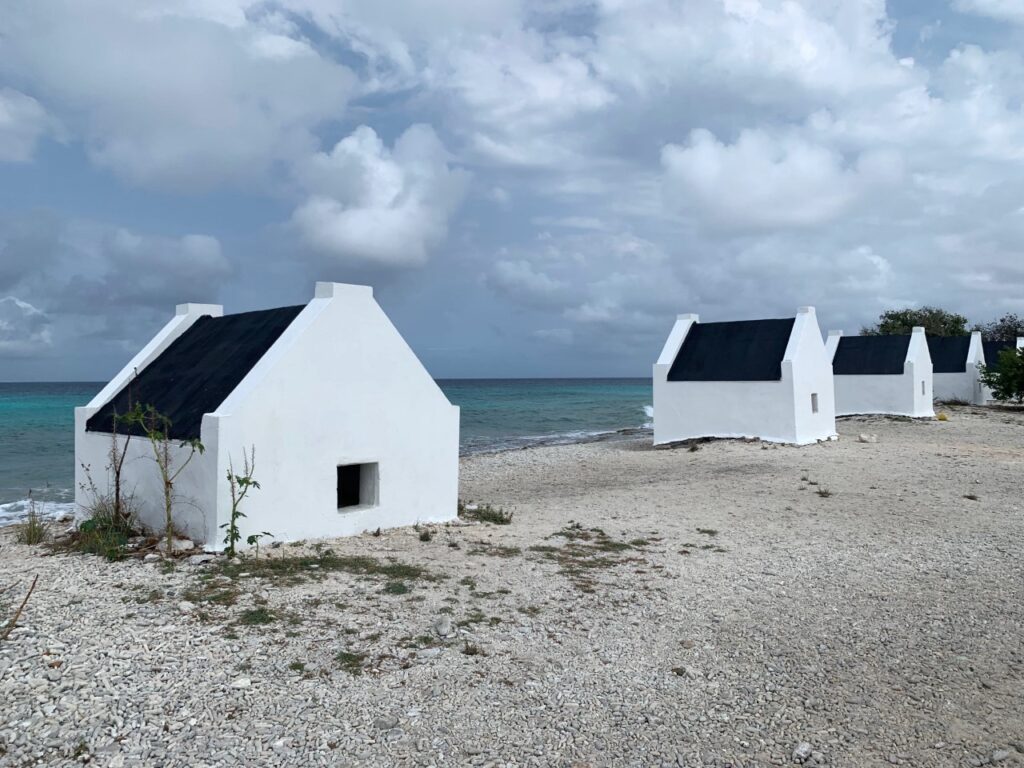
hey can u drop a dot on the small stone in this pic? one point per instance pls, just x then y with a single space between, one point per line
862 438
426 654
443 626
385 723
999 756
152 557
802 752
688 644
242 682
182 545
200 559
186 607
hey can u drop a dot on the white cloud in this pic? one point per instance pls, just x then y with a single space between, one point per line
1003 10
519 93
369 204
764 181
22 122
180 95
24 330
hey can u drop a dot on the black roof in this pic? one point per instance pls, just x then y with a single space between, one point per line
743 350
870 355
992 350
198 370
949 353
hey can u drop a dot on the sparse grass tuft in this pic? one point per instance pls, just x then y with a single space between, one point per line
708 531
942 417
295 570
484 513
297 666
586 550
396 588
824 492
256 617
426 535
972 497
495 550
351 662
471 649
33 530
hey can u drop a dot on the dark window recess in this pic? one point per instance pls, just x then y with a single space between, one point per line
348 485
357 485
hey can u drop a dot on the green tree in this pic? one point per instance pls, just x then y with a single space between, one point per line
936 322
1006 328
1006 381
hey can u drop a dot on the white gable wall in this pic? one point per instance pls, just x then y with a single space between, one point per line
748 409
340 386
140 475
811 373
962 385
906 394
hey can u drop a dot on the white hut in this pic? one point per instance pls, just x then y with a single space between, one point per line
955 361
882 374
350 432
990 358
767 379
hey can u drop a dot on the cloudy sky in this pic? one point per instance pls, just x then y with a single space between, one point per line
533 188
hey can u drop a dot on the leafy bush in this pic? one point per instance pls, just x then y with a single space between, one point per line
1006 381
103 534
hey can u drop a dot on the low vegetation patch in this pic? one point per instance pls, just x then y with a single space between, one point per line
484 513
587 550
350 661
291 570
494 550
396 588
257 617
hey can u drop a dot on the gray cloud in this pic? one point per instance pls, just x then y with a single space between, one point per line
24 330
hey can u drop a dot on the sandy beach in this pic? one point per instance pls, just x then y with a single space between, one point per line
845 604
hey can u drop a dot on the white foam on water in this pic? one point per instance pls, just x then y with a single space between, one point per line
16 511
649 413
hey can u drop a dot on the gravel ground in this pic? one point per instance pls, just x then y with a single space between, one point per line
645 607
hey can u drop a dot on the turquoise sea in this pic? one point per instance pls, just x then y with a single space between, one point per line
37 425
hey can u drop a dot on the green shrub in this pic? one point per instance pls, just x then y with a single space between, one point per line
1007 380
